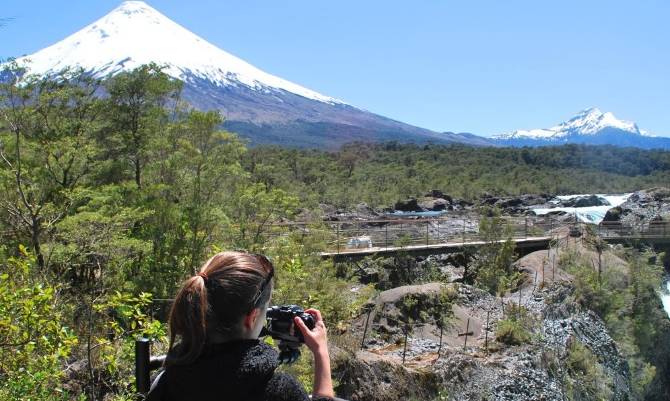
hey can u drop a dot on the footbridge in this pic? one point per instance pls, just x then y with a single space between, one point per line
356 239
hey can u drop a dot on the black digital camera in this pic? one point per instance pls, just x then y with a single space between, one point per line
280 326
280 322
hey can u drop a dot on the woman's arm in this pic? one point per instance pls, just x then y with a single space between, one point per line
317 342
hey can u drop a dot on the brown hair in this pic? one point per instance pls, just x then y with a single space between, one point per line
216 299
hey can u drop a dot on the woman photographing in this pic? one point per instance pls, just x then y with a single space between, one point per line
214 350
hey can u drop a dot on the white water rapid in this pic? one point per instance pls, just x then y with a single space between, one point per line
590 214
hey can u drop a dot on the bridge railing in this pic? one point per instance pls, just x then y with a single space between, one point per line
388 233
653 229
350 235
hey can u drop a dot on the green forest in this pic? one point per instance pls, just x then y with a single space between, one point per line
381 174
114 191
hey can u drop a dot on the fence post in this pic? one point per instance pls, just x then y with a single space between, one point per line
365 330
438 231
338 237
142 349
404 351
427 223
467 330
553 268
463 231
439 349
386 235
486 335
525 227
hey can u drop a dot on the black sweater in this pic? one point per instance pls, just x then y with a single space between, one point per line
241 370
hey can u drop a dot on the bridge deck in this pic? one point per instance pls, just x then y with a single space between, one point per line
447 247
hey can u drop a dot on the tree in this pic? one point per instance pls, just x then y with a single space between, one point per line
494 261
137 113
46 131
210 161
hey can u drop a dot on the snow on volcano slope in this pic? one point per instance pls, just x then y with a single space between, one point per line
134 34
588 122
591 127
260 107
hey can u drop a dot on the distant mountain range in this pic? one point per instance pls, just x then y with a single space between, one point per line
271 110
590 127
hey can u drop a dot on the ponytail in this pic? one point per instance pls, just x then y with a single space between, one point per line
188 318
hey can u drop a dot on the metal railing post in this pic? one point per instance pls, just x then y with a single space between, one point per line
525 227
338 237
386 235
464 231
142 356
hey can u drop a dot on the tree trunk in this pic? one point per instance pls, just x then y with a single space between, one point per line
35 228
137 173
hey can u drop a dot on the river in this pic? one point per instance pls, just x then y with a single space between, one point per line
590 214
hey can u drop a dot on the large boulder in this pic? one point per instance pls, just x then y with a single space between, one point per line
585 201
435 204
613 215
359 212
408 205
436 193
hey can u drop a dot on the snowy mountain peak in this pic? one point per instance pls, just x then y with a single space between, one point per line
133 7
590 121
135 33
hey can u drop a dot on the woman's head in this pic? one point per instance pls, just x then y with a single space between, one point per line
227 299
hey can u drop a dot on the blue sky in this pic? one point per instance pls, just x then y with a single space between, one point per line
484 67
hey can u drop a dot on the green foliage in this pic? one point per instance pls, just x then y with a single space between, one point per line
493 267
514 329
122 197
34 340
587 379
625 297
381 174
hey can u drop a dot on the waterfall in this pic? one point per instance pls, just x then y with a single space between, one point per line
665 297
589 214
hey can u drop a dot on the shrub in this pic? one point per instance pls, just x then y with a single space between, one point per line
511 332
516 328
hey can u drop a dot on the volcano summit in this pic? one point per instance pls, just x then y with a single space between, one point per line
257 105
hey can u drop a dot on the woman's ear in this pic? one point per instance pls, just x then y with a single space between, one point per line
250 318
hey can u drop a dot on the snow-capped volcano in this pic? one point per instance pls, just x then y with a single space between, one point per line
588 122
135 34
591 126
257 105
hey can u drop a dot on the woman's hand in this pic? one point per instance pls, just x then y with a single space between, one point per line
317 342
315 339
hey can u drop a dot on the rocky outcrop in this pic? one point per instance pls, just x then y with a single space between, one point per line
407 205
440 364
515 205
368 377
613 215
642 207
435 204
360 212
585 201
